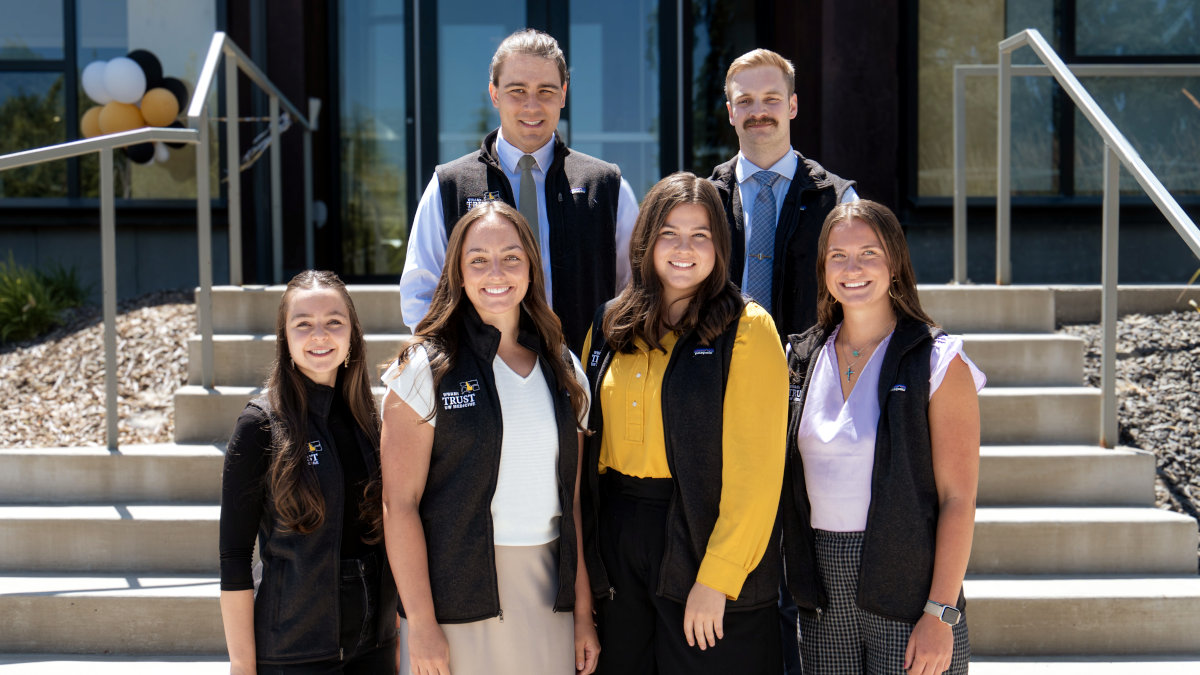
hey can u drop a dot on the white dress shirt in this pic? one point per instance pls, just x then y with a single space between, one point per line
786 168
427 238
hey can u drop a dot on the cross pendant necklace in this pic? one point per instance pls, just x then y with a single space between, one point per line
857 352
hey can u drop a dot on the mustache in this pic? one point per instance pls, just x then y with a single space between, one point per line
760 122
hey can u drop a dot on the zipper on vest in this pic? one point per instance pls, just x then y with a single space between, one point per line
612 593
341 654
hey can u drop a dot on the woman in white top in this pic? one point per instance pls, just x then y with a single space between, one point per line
883 463
480 454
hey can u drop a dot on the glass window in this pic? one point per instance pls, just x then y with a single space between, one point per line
614 96
1137 27
466 42
31 31
720 33
32 115
373 137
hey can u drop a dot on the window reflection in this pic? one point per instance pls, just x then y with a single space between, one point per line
718 39
31 31
31 114
1137 27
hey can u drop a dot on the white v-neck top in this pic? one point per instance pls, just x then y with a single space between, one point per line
525 507
837 437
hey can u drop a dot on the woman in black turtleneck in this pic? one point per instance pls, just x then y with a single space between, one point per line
302 472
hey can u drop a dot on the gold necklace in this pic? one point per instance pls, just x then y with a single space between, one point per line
858 352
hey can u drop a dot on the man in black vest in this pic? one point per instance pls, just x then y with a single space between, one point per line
579 207
775 198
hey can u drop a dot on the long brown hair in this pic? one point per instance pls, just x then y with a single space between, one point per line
293 487
441 329
903 290
638 312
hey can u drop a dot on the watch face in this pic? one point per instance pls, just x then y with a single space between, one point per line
951 615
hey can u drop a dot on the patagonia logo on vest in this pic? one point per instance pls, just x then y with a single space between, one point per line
594 360
794 394
703 351
900 387
492 196
314 449
578 190
463 398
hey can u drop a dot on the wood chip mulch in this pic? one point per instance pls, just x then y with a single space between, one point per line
53 388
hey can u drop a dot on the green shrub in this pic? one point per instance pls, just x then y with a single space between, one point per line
32 303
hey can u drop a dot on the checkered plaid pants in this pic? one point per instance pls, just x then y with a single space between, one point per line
846 640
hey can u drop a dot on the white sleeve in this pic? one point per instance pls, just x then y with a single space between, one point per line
945 348
426 253
414 383
850 195
581 378
627 213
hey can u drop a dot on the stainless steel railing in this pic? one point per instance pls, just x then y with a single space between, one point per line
104 145
197 133
1117 152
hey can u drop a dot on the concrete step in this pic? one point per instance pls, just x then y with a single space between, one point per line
244 360
207 415
1065 475
113 613
252 309
114 538
134 473
1083 615
121 664
1016 415
1027 360
1082 540
990 309
1091 665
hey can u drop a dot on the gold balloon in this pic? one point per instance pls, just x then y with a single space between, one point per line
117 116
159 107
89 126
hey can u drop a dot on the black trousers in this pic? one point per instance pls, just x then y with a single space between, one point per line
641 633
359 601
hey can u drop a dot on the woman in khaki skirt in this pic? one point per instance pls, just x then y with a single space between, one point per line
480 451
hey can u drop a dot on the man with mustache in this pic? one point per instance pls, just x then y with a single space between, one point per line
775 198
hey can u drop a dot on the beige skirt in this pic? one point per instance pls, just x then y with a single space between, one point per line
531 638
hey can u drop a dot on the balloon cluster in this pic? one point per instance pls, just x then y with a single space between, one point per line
132 94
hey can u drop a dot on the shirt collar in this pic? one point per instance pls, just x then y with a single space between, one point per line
786 166
510 154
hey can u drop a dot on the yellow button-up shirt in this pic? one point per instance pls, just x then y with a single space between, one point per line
753 439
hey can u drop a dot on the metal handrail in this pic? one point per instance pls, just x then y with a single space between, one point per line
197 114
1118 152
108 233
962 72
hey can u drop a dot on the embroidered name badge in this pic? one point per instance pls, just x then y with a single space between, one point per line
595 358
463 398
578 190
493 196
314 448
703 351
794 394
900 387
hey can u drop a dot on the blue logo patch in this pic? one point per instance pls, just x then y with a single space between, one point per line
578 190
703 351
900 387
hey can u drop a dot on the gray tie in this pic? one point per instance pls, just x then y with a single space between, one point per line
528 196
761 248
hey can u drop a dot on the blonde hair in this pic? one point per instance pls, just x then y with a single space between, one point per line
762 57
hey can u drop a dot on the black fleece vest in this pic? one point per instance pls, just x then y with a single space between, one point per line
896 569
693 395
581 205
296 610
812 195
463 467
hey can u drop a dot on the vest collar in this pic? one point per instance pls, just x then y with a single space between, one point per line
320 397
484 339
489 156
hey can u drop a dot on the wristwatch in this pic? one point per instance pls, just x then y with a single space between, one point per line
947 614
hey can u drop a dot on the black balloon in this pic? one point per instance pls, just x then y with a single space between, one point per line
175 125
142 153
177 87
151 67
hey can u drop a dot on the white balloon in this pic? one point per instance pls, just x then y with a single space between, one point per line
93 82
124 80
161 152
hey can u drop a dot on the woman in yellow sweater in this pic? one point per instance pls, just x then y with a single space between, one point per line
686 462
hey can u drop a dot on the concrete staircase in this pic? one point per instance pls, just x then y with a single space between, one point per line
1073 569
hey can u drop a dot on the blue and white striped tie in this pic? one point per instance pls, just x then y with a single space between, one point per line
760 250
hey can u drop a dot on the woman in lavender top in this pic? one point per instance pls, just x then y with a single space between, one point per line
879 497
